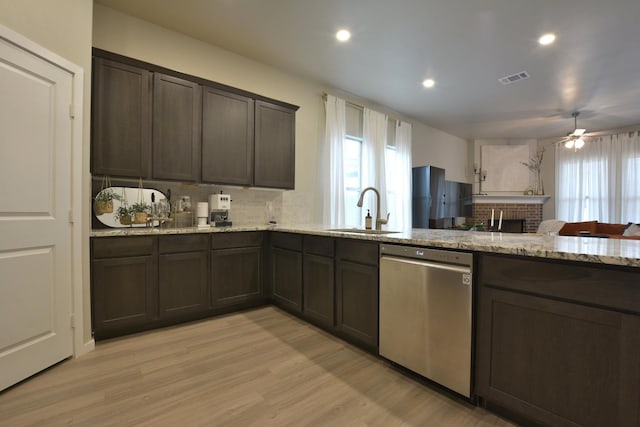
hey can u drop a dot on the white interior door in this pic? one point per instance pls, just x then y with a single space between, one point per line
35 202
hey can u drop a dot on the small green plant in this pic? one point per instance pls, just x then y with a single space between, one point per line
124 214
141 207
104 201
107 195
140 211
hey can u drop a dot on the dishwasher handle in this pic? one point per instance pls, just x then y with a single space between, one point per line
428 254
449 267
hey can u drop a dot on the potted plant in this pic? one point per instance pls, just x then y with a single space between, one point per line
124 214
103 202
140 212
535 166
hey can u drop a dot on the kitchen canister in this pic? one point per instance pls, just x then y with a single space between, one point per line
202 212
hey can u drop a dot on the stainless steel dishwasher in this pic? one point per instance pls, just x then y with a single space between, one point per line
425 313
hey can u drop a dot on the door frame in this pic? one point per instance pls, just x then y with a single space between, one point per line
79 237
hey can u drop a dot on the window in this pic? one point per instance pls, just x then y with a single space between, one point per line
357 155
352 179
600 181
354 215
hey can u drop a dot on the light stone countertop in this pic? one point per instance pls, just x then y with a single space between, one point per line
583 249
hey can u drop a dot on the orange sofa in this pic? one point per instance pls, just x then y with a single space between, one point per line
596 229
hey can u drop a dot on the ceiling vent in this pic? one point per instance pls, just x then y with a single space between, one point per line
514 78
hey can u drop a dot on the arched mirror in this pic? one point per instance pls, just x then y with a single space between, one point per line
131 207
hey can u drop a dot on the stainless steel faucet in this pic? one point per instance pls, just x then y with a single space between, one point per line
379 221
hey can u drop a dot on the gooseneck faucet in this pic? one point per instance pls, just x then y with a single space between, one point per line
379 221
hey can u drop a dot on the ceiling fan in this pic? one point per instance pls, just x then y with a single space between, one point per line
576 138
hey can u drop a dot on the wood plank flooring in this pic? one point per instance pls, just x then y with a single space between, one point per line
257 368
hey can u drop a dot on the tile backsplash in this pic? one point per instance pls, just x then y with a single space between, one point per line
249 206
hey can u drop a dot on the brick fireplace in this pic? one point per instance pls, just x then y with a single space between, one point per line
526 208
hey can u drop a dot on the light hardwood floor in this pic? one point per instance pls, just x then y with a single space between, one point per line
257 368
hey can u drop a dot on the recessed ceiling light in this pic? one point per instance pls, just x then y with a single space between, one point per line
343 35
428 83
547 39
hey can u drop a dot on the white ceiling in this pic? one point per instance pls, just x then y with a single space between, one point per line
465 45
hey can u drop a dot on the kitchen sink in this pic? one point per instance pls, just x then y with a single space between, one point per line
362 231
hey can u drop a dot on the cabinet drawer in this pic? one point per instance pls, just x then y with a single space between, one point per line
184 243
357 251
601 285
319 245
110 247
287 241
245 239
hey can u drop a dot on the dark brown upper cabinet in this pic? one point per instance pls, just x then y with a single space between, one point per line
121 120
227 137
176 128
153 122
274 146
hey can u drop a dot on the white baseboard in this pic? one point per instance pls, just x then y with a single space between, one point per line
86 348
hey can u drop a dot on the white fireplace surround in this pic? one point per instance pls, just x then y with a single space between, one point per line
510 199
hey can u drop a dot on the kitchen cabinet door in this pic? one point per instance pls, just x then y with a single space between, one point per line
357 292
183 276
558 363
183 285
227 137
123 285
286 278
121 120
318 289
274 146
236 277
357 303
176 128
318 285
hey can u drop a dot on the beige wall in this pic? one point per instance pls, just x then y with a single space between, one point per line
63 27
436 148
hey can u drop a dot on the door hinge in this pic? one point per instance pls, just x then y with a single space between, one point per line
72 321
71 219
72 112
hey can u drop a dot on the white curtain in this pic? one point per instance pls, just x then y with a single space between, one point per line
400 182
630 177
374 143
335 129
601 181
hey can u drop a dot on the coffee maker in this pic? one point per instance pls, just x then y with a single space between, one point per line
219 208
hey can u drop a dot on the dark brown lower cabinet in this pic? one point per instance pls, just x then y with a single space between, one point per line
285 253
123 285
183 276
286 278
548 349
318 289
318 280
237 270
357 292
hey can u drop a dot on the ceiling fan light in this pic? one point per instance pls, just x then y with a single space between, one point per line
579 143
569 144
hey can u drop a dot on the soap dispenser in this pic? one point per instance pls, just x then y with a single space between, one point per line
367 220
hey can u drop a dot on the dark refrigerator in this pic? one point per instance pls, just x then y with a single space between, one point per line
436 202
427 187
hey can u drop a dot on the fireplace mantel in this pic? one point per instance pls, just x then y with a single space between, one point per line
510 199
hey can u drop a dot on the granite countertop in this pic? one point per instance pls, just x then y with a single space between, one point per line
584 249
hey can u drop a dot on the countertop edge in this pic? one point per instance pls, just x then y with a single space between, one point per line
578 249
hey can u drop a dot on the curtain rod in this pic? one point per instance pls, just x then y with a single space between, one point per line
361 107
